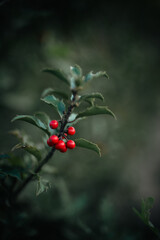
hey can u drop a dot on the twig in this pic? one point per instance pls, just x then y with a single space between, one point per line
64 121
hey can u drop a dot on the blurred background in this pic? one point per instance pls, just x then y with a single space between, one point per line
91 197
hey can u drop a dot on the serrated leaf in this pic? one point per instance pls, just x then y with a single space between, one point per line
90 101
33 150
92 75
42 185
73 120
91 96
59 105
17 146
12 172
50 91
95 110
59 74
30 149
76 71
44 118
146 206
144 214
76 79
32 120
87 144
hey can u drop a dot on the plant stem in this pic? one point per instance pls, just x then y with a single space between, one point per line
50 154
37 170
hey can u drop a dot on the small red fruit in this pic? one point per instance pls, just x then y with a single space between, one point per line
50 143
71 144
63 149
71 131
60 145
54 139
53 124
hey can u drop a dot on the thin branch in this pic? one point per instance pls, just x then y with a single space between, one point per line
64 121
30 177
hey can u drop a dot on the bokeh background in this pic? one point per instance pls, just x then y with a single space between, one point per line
91 197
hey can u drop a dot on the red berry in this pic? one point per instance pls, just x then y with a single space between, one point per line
63 149
54 139
71 144
50 143
60 145
53 124
71 131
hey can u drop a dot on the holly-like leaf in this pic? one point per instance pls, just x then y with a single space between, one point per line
87 144
50 91
92 75
59 74
73 120
59 105
95 110
91 96
10 171
32 150
44 118
32 120
144 214
28 148
76 77
42 185
76 71
90 101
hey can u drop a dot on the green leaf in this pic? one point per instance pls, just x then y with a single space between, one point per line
73 120
32 120
76 79
92 75
59 74
76 71
91 96
95 110
146 206
87 144
50 91
42 185
30 149
12 172
59 105
144 214
33 150
42 116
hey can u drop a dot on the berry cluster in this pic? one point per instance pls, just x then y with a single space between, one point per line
57 141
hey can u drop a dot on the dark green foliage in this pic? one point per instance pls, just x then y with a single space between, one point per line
144 214
88 145
77 81
32 120
59 74
95 110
